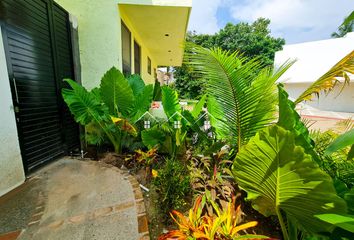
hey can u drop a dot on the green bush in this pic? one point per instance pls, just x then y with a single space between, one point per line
172 183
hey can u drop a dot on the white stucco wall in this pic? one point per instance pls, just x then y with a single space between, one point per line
335 101
11 168
313 60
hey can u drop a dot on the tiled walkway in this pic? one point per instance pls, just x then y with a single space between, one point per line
79 200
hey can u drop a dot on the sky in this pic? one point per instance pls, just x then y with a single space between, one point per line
295 20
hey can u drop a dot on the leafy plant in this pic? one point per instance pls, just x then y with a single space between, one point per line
330 79
342 221
242 94
344 140
281 179
344 225
109 111
170 136
172 182
224 225
208 177
146 158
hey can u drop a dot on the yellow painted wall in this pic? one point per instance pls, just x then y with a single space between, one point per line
145 53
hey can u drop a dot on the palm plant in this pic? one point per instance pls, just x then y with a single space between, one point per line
330 79
109 111
242 94
346 27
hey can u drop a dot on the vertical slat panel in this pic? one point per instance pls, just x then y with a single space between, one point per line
38 51
65 70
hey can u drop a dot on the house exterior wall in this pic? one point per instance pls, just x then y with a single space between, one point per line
335 101
145 53
11 167
99 37
99 28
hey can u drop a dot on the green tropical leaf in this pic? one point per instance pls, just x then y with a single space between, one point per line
116 92
343 221
157 91
351 153
349 198
142 102
136 83
218 123
341 142
329 80
199 106
84 105
245 91
348 19
96 91
280 177
290 120
170 103
153 137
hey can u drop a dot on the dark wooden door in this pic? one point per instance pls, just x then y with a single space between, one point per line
38 50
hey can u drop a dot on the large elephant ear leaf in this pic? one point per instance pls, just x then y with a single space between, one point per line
290 120
153 137
142 102
280 177
136 83
199 106
343 221
84 105
170 103
116 92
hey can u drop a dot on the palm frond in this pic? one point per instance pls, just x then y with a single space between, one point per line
244 91
345 125
348 19
330 79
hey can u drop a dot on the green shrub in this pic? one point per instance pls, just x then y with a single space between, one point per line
172 183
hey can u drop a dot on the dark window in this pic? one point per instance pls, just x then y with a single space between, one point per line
149 65
137 58
126 50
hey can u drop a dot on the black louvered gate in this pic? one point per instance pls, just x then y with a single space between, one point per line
37 43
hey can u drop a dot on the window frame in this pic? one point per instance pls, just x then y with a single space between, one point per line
124 66
137 70
149 65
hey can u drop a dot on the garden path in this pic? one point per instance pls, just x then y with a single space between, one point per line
75 199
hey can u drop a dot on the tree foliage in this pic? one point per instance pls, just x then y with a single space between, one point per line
251 40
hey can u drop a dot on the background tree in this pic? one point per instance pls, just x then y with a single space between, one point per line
250 39
347 26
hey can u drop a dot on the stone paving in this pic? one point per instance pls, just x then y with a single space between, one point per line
77 199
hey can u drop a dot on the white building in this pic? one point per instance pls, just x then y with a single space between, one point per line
313 60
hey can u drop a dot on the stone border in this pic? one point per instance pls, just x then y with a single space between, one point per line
143 223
